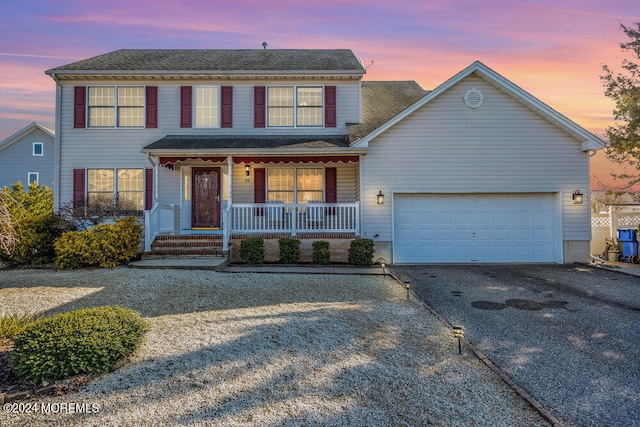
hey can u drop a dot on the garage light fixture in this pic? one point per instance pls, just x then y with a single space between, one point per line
380 198
577 197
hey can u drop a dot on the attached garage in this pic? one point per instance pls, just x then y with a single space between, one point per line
450 228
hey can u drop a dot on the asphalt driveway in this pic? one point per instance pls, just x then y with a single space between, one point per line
567 334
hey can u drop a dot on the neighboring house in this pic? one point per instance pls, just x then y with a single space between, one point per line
236 143
28 156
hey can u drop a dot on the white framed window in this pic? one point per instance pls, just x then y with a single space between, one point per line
295 106
116 106
38 149
108 189
33 177
295 184
207 106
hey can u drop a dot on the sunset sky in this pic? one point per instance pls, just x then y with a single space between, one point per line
554 49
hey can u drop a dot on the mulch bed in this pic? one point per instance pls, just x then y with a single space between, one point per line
14 388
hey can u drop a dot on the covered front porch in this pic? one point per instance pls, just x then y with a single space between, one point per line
233 197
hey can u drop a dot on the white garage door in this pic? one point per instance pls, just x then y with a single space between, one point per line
432 228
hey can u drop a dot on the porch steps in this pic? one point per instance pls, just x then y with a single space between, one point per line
187 245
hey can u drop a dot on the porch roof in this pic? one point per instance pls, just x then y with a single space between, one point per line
240 143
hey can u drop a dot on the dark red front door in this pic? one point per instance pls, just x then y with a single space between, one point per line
205 191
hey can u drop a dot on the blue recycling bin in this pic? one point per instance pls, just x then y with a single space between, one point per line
627 237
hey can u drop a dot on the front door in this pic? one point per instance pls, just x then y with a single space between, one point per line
205 210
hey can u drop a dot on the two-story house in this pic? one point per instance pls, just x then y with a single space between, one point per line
28 156
226 144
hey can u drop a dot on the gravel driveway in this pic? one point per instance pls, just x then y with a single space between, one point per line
269 349
569 335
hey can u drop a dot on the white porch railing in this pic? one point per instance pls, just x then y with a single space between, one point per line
159 220
294 217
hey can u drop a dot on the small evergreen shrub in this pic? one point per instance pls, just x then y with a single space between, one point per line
289 250
106 245
252 251
36 237
89 340
361 252
320 253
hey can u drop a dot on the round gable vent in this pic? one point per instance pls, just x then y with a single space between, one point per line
473 98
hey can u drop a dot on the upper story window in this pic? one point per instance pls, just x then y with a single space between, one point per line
116 106
33 177
294 106
38 149
207 101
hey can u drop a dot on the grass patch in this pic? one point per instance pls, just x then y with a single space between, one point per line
12 324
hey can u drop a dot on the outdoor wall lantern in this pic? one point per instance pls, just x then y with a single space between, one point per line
380 198
577 197
458 332
247 170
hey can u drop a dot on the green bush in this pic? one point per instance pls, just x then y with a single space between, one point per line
320 253
89 340
289 250
252 250
106 245
35 239
34 200
361 252
13 324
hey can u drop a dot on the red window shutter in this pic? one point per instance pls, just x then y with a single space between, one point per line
227 106
78 192
259 106
259 188
79 106
152 106
148 189
185 106
330 106
331 188
331 185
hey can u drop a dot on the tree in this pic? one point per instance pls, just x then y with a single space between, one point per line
624 89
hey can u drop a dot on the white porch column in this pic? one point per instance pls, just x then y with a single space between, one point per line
226 217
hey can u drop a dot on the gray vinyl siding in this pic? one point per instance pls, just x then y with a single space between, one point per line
17 160
346 180
120 147
501 147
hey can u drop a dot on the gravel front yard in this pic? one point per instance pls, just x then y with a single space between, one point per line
268 349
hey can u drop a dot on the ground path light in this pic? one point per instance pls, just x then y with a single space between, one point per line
458 332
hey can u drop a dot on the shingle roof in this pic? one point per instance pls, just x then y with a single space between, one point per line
219 60
382 100
207 142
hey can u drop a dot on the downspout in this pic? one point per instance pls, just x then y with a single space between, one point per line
58 149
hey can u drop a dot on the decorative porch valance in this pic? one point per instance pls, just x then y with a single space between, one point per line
169 162
298 159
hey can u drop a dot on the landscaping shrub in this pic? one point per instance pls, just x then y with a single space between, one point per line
35 239
320 253
89 340
28 219
289 250
106 245
361 252
252 250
